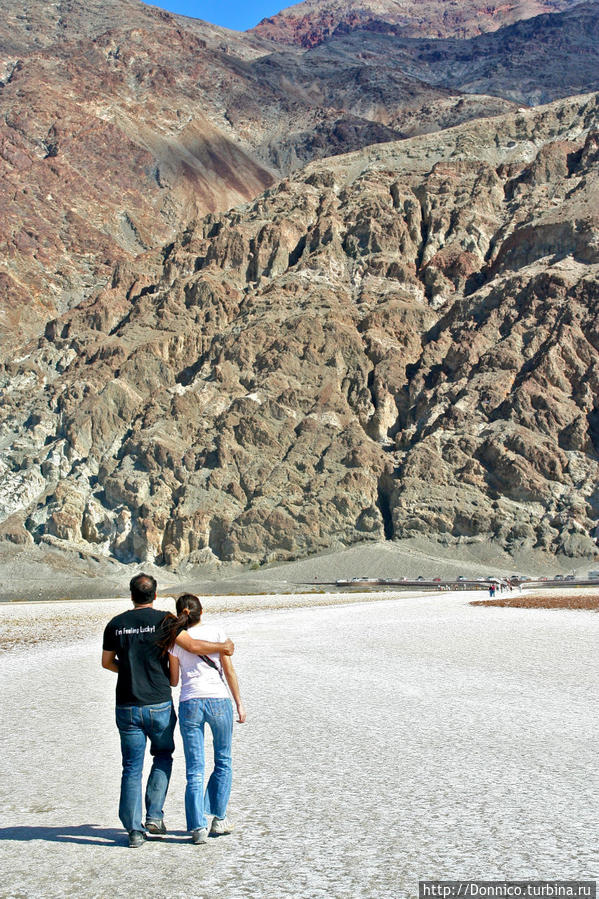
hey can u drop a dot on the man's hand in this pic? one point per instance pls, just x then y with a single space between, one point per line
240 713
228 648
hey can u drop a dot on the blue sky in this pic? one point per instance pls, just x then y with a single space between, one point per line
229 13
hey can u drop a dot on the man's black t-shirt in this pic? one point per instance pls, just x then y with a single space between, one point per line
143 677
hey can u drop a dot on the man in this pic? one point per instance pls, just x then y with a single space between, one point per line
144 707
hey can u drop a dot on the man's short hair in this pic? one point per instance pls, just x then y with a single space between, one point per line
143 589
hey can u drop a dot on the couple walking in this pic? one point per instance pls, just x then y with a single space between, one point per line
149 650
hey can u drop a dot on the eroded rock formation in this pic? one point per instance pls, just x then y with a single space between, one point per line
398 341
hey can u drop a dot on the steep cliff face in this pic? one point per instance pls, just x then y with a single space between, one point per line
393 342
310 23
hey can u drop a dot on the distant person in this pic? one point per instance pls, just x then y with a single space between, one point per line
204 700
144 707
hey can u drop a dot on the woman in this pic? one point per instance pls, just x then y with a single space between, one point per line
204 700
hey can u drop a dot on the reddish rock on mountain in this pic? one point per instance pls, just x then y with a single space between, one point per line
314 21
119 123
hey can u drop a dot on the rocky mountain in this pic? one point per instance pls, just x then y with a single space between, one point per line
310 23
119 123
534 61
224 337
104 147
392 342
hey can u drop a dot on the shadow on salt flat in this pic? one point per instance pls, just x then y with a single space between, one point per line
84 834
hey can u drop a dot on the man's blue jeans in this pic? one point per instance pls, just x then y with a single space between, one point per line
218 714
136 724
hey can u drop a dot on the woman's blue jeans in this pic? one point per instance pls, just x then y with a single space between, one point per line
136 724
218 714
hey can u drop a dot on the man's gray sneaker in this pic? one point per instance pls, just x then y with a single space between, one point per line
158 828
199 836
136 839
220 826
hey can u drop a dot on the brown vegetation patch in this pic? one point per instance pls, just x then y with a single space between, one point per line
543 602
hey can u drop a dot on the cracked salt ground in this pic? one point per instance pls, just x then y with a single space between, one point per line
386 742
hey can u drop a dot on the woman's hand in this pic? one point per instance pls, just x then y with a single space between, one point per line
231 678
